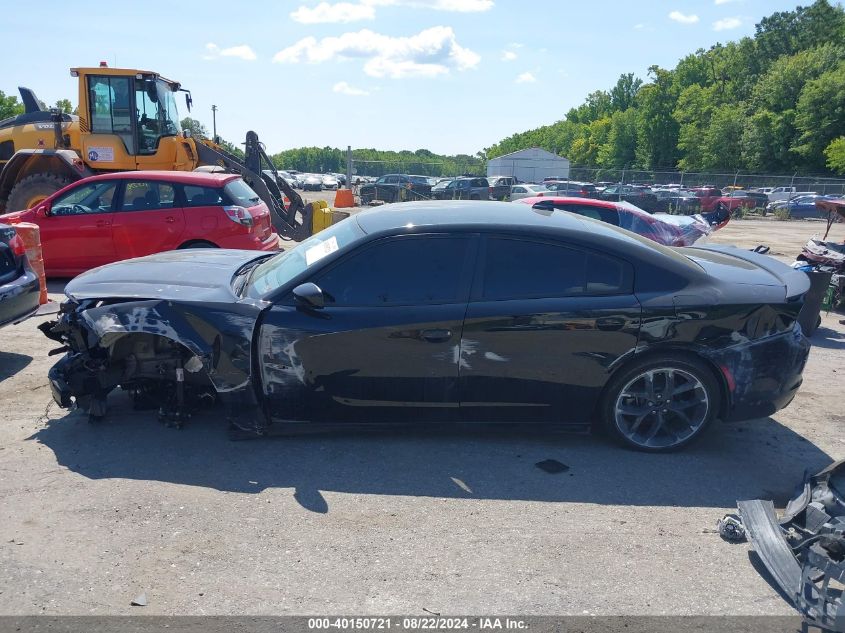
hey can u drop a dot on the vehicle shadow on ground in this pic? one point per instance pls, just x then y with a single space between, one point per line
828 338
11 363
742 461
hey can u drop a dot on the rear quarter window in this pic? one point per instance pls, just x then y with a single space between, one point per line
241 193
202 196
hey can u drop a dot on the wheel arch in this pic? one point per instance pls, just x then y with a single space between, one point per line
678 351
28 162
192 243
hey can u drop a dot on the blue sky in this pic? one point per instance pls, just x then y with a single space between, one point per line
452 76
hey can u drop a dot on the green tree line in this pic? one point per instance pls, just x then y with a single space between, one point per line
373 162
773 103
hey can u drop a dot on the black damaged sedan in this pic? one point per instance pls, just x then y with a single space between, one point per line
450 312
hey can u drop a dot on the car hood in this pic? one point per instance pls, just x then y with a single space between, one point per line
203 275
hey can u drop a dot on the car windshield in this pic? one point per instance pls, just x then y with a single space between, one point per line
419 180
537 187
278 271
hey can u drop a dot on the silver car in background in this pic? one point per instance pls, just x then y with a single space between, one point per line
526 191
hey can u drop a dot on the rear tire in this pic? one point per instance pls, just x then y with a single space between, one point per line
198 244
660 403
31 190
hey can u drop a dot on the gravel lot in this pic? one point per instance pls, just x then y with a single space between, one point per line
389 522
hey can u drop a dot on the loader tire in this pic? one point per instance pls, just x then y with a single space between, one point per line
33 189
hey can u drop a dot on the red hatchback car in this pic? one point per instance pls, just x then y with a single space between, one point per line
108 218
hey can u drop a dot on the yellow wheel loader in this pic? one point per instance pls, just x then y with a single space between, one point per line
128 120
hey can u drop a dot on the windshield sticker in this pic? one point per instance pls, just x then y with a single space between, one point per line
316 253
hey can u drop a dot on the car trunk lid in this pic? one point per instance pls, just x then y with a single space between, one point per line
749 268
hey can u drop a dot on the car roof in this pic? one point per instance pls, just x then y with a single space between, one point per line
510 217
208 179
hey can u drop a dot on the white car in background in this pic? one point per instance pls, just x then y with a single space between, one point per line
312 182
330 181
528 191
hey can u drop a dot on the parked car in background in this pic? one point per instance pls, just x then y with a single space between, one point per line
500 186
19 287
787 193
802 207
396 188
330 181
798 200
639 196
438 189
736 199
525 190
463 189
675 200
573 188
662 228
312 182
708 196
451 312
107 218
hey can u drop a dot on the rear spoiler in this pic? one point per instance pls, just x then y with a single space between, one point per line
796 282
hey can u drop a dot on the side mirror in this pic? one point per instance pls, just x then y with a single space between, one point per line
43 210
310 295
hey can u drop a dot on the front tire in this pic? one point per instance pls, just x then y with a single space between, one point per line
660 403
31 190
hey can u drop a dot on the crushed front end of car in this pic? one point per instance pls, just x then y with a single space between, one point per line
170 357
804 551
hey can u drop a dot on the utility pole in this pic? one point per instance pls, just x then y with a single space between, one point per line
214 121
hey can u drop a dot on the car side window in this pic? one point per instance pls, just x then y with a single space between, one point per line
399 271
202 196
555 271
523 269
519 190
95 197
609 216
148 195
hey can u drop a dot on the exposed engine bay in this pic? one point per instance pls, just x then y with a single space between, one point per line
134 346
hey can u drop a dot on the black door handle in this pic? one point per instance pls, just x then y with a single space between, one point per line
436 336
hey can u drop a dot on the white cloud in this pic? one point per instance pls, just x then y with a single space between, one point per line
726 24
508 56
241 52
724 1
328 12
340 12
345 89
429 53
639 27
677 16
526 78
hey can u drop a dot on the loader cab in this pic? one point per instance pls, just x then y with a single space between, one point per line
132 119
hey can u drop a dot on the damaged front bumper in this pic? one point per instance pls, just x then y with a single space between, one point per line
805 550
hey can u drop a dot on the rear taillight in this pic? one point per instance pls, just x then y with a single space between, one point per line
238 215
17 245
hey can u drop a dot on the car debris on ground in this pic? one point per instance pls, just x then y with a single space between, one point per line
804 550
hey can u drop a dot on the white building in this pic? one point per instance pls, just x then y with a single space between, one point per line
530 165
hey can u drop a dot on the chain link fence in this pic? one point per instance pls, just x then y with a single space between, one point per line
820 184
